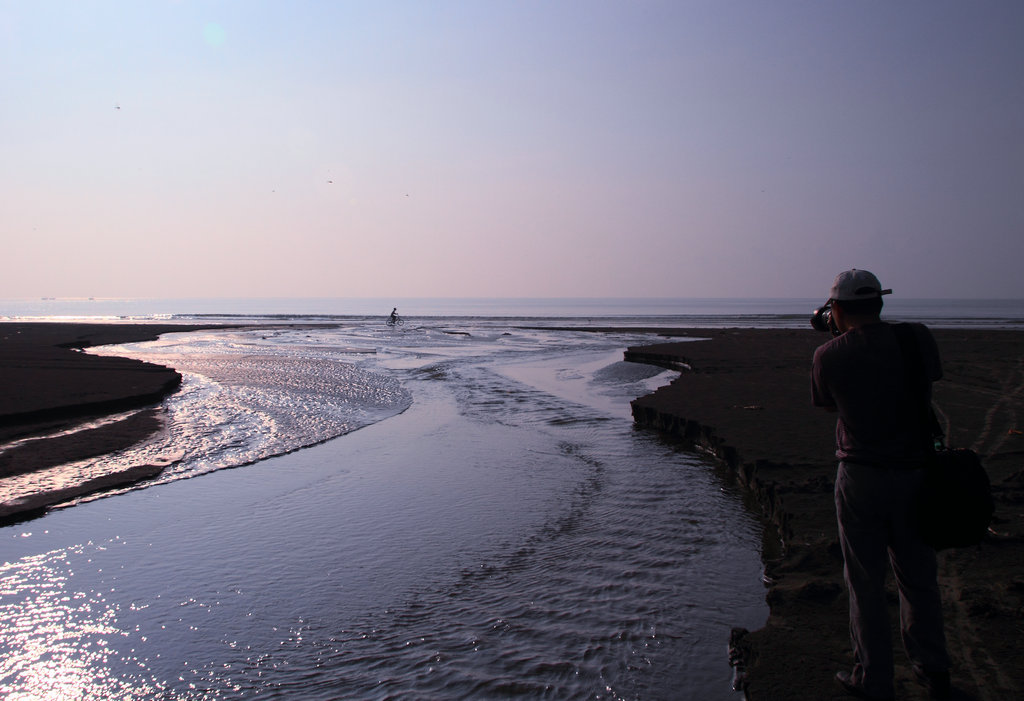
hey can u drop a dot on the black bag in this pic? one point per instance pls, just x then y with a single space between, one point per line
955 506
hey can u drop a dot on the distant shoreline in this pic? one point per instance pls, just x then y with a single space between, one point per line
608 312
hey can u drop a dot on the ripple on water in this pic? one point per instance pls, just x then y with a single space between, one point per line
234 409
502 536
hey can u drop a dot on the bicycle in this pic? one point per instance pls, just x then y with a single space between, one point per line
395 320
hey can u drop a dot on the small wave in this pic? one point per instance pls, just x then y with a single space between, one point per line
237 406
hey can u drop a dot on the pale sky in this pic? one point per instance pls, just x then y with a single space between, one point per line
510 148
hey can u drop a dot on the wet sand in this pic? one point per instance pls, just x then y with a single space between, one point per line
50 387
745 398
48 382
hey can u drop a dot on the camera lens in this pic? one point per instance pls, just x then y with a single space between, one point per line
822 318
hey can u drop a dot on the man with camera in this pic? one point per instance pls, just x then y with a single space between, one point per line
861 374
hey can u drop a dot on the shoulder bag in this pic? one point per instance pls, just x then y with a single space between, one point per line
955 505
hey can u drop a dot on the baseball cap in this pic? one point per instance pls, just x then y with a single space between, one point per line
856 284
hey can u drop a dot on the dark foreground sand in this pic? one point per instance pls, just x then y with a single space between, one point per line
47 385
747 401
46 380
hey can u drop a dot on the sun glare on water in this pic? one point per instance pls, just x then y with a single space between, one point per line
60 642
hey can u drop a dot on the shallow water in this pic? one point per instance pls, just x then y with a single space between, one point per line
496 527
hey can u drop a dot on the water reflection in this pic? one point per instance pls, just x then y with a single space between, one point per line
61 642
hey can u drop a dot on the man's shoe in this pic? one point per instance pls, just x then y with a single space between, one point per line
857 690
937 683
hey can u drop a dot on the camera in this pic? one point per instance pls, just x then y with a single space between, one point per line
821 319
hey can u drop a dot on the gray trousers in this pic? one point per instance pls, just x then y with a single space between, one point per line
874 508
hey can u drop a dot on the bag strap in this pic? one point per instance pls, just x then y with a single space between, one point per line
917 382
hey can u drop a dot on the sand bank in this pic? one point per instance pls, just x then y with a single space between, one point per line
47 380
50 387
744 396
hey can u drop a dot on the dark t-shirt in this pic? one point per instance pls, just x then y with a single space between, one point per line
861 374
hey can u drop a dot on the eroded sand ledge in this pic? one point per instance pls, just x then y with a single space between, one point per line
745 398
49 386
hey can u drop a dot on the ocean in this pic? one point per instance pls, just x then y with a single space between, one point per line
457 507
984 313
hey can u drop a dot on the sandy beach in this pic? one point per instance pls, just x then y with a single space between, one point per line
745 398
47 381
50 386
